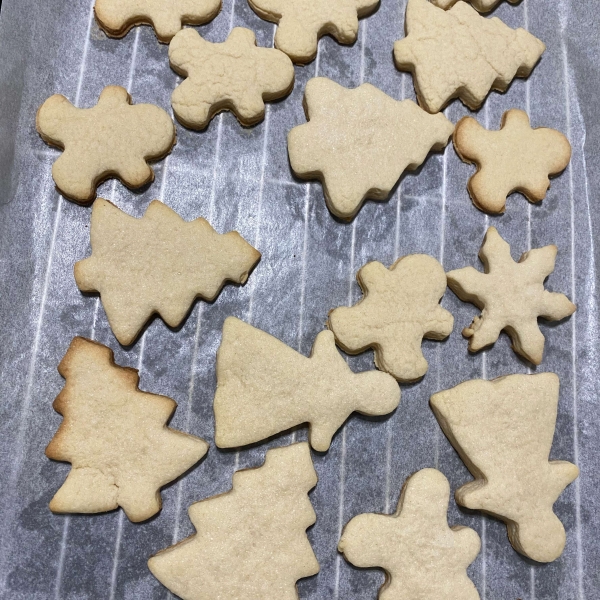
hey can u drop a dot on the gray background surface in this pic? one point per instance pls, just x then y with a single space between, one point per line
240 178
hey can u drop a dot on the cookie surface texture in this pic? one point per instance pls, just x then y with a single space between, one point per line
265 387
511 296
303 22
481 6
422 556
503 431
234 75
117 17
251 542
115 437
515 159
359 141
112 139
157 264
460 54
400 306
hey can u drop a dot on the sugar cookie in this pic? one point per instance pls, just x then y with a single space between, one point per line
460 54
234 75
515 159
117 17
482 6
511 296
358 142
421 555
157 264
400 306
115 437
251 542
265 387
112 139
303 22
503 431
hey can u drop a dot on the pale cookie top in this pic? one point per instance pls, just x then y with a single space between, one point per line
515 159
511 296
423 558
117 17
460 54
503 431
233 75
112 139
157 264
303 22
400 306
359 141
115 437
265 387
251 542
482 6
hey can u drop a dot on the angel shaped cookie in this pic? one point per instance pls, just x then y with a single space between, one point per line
157 264
400 306
265 387
421 555
459 53
112 139
503 431
117 17
251 542
358 142
115 437
515 159
234 75
511 296
303 22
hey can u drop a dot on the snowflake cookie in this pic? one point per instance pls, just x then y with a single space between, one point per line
511 296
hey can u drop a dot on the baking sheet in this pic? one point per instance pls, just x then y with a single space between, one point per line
240 179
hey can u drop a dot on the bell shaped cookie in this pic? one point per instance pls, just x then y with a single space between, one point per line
503 431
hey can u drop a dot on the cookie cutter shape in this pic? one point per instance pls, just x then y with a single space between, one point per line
303 22
251 542
157 264
358 142
115 437
422 556
233 75
482 6
503 430
400 306
515 159
117 17
511 296
460 54
111 139
265 387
